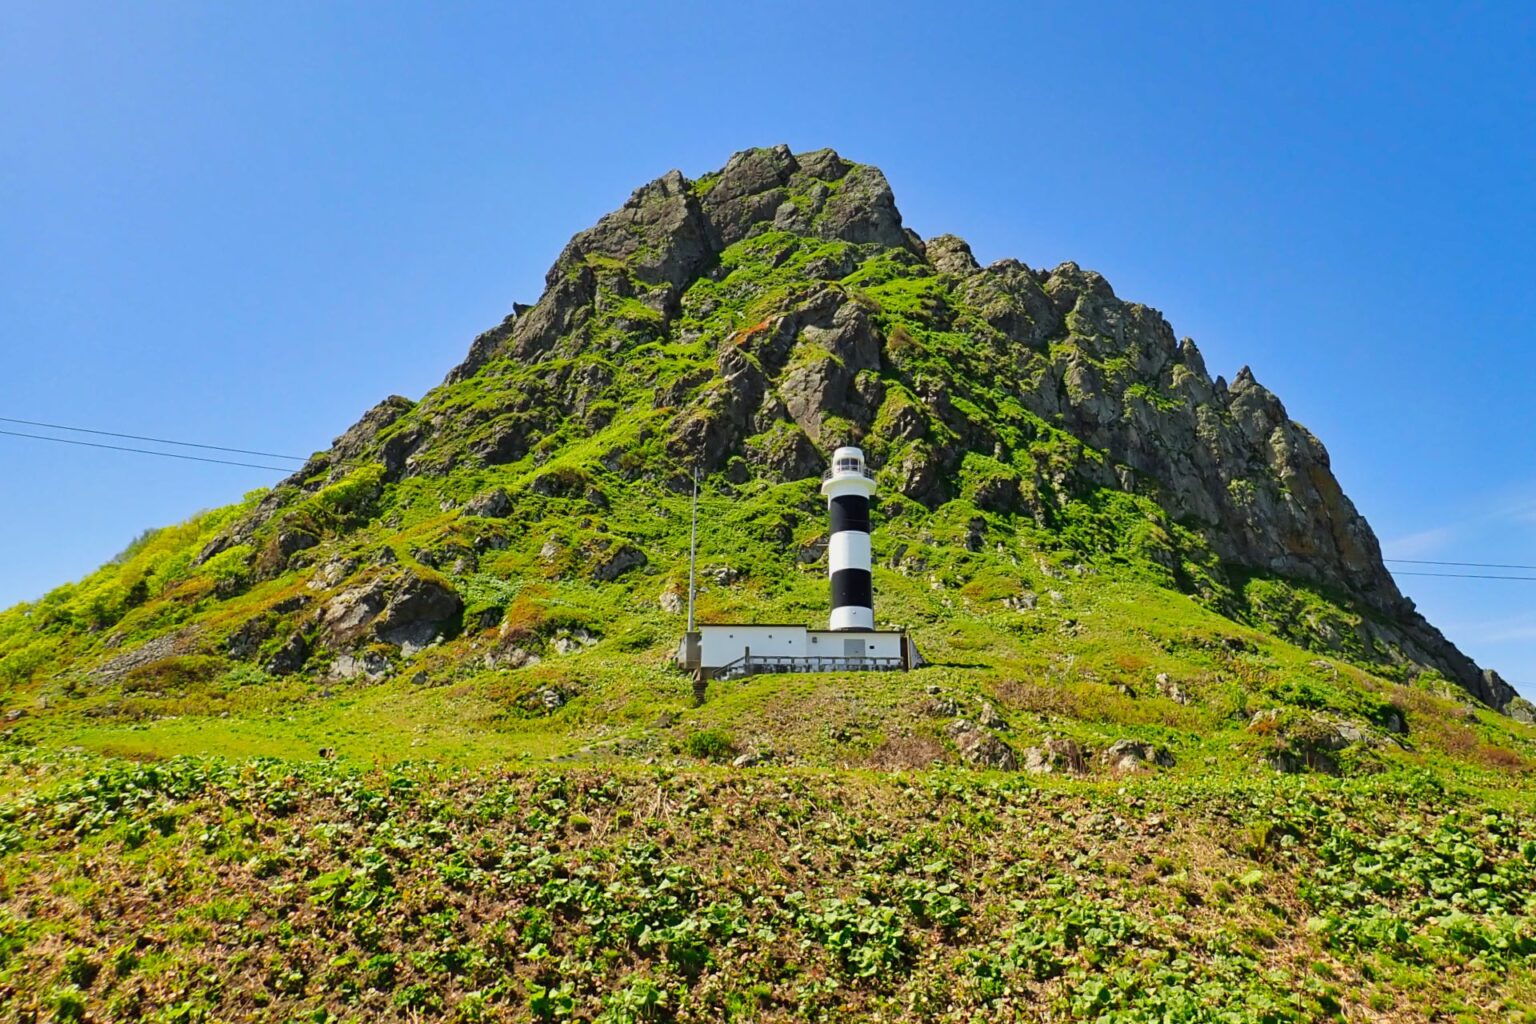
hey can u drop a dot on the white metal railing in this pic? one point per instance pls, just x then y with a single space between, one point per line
849 467
752 664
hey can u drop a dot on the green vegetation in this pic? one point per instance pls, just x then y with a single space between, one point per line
402 739
317 892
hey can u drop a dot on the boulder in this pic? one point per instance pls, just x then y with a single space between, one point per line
403 608
570 643
491 505
370 665
619 558
1131 755
980 748
1055 756
420 610
510 656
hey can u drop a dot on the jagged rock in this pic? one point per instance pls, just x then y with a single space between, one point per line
490 505
332 573
1286 761
1309 742
748 760
249 635
290 657
1522 710
349 615
279 552
980 748
1055 756
672 602
419 612
1130 755
401 608
950 255
918 477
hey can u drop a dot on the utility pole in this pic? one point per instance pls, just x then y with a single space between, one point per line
700 684
693 547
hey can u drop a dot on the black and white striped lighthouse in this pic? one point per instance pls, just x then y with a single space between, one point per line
848 487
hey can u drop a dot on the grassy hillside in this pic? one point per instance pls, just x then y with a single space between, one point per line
401 738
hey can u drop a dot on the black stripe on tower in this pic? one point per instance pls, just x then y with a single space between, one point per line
852 588
849 512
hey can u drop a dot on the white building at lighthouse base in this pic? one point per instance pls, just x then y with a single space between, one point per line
726 650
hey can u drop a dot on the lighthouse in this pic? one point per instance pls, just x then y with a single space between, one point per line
850 643
848 486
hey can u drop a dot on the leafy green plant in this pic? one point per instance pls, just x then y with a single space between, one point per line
710 745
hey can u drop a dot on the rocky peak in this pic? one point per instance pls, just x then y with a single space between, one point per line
813 317
672 230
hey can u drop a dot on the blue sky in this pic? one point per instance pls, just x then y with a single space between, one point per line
245 224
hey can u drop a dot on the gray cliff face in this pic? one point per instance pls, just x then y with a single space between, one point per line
1224 459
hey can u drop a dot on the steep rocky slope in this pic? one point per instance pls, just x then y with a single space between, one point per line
747 322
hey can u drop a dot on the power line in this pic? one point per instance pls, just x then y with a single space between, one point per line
156 440
144 451
1462 575
1474 565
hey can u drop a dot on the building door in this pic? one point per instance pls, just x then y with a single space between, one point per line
853 648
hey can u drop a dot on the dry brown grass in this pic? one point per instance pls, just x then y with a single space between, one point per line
906 753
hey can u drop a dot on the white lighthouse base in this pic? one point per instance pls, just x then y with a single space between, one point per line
852 617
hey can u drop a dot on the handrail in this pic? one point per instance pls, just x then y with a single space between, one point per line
750 664
863 471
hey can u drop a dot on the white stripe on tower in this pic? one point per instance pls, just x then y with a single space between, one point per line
848 488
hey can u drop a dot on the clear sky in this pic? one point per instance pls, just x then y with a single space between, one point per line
246 223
